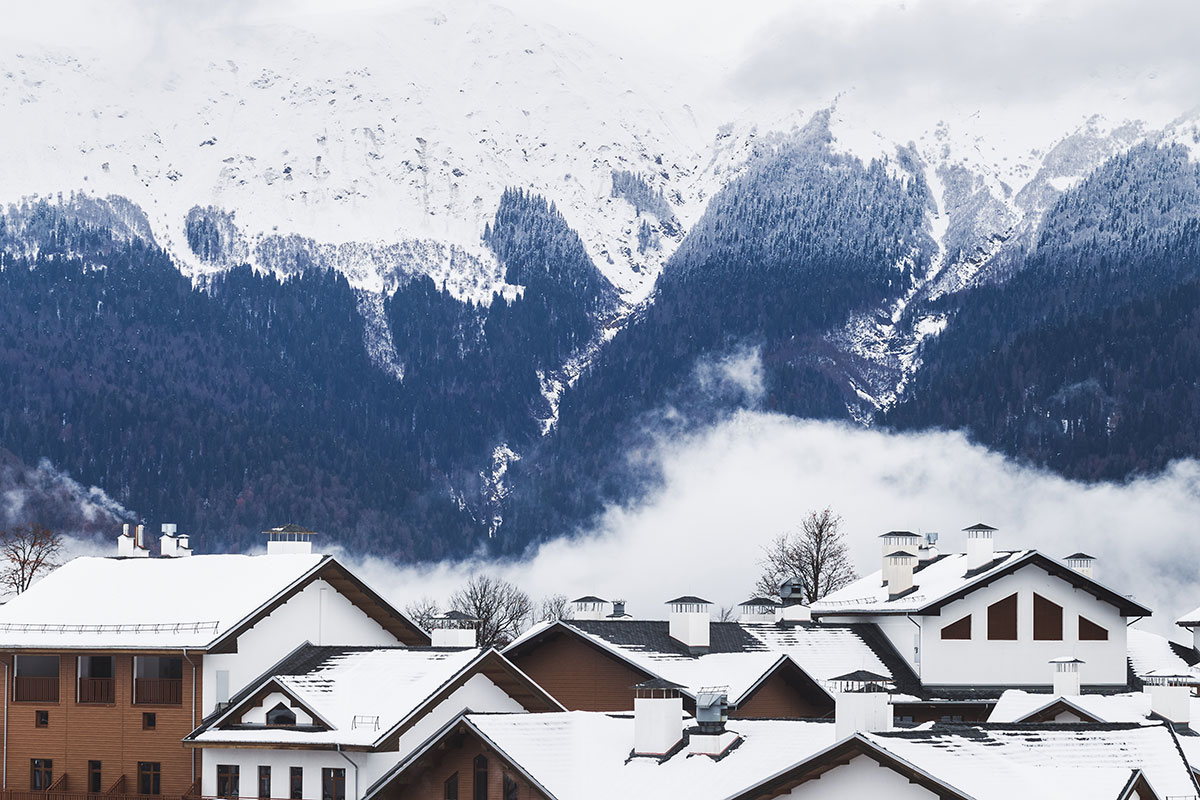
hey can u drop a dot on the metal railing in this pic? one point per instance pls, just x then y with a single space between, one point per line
28 689
141 627
96 690
158 692
8 794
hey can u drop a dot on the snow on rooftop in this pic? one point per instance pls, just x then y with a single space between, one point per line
1149 652
1016 705
1192 617
1045 761
382 686
581 755
146 602
943 576
824 651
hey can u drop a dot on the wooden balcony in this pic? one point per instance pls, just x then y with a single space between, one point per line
35 690
58 795
97 690
158 692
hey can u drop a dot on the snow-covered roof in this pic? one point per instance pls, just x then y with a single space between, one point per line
1190 619
1016 705
1044 761
947 577
140 603
740 655
172 603
584 755
999 762
1150 653
362 693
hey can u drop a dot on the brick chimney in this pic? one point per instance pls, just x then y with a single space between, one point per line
657 718
981 547
689 622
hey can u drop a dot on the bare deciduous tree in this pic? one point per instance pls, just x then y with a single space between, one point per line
815 553
422 611
726 614
27 551
553 608
500 607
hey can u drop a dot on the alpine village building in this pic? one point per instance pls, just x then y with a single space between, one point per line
975 675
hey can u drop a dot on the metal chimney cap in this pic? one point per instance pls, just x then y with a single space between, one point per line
590 598
690 600
979 526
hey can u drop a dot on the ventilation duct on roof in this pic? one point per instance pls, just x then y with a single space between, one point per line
712 712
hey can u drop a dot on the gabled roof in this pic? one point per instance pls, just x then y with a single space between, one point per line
1150 653
366 697
1016 705
1190 619
200 602
738 655
999 762
946 578
583 755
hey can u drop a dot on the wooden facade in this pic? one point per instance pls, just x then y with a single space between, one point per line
97 720
456 755
784 696
579 674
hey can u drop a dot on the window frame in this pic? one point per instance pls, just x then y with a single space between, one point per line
41 718
333 783
264 773
450 787
95 777
149 771
479 788
41 774
230 775
296 783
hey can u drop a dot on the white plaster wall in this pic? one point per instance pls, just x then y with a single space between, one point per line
978 661
281 761
861 778
317 614
477 694
258 714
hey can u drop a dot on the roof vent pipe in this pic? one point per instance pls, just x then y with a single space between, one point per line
1066 676
689 622
981 547
657 718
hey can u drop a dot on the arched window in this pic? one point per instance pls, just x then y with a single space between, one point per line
281 715
481 778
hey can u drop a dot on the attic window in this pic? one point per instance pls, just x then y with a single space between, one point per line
1091 632
1047 620
1002 620
960 629
281 716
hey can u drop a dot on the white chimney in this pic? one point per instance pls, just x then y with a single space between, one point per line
172 546
1082 563
895 541
130 542
1171 697
689 622
1066 676
454 629
867 711
588 607
981 548
289 540
898 570
757 609
657 718
928 551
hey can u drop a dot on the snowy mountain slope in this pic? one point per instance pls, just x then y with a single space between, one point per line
360 128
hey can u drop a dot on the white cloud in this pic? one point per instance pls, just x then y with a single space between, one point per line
733 487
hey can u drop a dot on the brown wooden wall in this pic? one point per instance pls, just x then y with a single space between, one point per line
581 677
429 778
779 698
110 734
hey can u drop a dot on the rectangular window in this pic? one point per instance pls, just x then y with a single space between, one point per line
41 719
450 788
94 777
1047 620
158 680
35 679
41 773
1002 620
96 683
149 720
479 787
149 777
296 779
264 782
227 780
333 784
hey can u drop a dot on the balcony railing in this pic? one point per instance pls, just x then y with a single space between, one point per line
158 692
35 690
97 690
56 795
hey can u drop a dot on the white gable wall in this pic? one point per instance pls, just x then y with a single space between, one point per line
477 694
257 715
1023 662
861 778
318 614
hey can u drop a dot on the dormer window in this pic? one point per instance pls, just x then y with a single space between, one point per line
281 716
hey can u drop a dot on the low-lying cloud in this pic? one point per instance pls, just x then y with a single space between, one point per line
732 487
